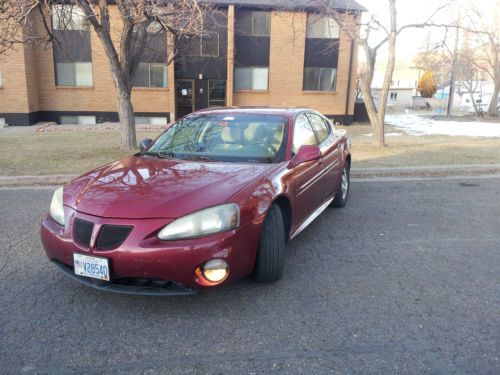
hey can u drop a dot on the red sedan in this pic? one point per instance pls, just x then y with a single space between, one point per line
216 197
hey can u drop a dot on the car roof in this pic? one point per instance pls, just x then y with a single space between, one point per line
284 111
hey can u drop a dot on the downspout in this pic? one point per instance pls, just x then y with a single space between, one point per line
348 96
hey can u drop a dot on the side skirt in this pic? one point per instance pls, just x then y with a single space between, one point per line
311 218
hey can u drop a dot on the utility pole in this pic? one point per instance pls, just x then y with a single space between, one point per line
451 96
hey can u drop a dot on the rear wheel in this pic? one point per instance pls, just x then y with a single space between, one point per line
271 253
343 195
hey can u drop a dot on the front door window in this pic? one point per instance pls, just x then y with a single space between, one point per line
184 98
217 94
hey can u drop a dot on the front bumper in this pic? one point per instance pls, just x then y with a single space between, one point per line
145 287
142 264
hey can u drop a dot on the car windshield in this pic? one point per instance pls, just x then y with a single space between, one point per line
253 138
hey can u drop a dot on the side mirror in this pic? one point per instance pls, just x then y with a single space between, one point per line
305 154
145 144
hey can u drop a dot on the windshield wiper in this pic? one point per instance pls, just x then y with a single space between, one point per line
200 158
160 155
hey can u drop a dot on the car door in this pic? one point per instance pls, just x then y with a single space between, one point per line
305 183
331 150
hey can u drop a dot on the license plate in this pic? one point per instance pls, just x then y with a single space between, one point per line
97 268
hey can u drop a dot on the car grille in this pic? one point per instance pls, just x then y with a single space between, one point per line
112 236
83 232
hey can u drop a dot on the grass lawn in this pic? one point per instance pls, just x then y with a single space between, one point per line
414 151
28 153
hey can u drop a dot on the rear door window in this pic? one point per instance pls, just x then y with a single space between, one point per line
321 128
303 133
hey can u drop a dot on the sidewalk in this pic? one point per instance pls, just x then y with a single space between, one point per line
361 173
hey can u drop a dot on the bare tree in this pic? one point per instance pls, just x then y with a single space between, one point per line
433 57
175 17
363 33
468 73
490 63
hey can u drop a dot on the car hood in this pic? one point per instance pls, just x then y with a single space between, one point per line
138 187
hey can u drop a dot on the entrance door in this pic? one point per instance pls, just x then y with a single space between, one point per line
209 93
184 97
201 94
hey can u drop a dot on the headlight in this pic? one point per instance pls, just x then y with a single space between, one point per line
56 207
203 223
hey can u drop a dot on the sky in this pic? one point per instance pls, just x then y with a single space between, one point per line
411 11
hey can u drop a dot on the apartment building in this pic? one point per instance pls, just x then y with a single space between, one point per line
252 53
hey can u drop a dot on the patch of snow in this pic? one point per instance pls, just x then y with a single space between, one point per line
386 134
418 125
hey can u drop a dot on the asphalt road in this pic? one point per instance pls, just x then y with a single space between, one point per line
406 279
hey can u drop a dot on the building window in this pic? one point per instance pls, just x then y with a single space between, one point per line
68 17
253 23
217 93
74 74
394 96
320 79
322 27
260 23
206 46
151 75
73 51
140 120
78 120
251 78
210 44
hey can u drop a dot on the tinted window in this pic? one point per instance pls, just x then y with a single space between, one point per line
321 129
302 133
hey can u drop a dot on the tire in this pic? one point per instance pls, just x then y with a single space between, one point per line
342 196
270 260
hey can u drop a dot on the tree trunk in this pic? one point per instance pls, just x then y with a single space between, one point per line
121 77
371 109
127 122
493 110
386 86
474 105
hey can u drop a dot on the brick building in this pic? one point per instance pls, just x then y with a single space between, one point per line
252 53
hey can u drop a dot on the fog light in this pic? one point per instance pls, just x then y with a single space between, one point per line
215 270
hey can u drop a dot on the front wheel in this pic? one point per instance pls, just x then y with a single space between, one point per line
271 253
343 195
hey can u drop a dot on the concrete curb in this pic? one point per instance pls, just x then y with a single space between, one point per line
60 179
358 173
